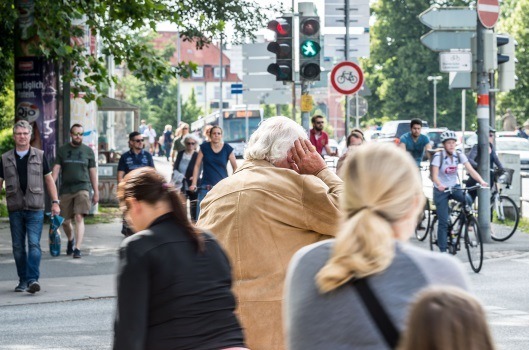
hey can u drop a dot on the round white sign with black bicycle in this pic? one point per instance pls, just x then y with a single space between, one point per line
347 78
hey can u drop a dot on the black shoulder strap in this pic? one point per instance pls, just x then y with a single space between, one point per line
377 312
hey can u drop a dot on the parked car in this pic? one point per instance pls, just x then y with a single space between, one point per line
393 130
515 145
434 134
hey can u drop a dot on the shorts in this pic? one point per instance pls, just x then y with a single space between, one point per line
75 203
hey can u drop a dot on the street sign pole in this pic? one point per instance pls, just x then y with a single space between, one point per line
483 140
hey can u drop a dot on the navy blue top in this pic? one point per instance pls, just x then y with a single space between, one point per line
214 164
130 161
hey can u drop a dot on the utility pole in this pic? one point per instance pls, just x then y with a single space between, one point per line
483 114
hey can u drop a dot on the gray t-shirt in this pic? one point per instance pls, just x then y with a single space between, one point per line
448 167
339 320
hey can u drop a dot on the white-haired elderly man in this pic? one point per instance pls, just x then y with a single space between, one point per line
281 199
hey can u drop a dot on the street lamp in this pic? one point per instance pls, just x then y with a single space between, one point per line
435 80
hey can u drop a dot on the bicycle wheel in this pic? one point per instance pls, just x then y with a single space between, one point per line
473 243
504 218
421 231
433 235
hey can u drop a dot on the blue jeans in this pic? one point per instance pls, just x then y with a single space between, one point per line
202 192
26 223
441 204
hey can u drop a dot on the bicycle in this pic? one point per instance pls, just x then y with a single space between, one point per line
504 212
423 225
462 223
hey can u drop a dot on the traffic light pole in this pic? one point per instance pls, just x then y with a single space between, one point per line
346 53
483 139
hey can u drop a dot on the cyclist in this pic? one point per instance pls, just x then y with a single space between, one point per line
473 157
414 142
444 175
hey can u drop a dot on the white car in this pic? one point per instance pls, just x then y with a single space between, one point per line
515 145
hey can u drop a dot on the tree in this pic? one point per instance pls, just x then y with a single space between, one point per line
121 27
399 65
514 19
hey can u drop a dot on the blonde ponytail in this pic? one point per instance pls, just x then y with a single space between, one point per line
381 181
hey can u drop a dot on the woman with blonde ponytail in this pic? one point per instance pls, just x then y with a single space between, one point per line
380 205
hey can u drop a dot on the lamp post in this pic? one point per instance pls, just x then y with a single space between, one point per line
435 79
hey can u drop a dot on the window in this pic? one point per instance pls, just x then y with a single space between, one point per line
216 72
216 92
199 93
199 73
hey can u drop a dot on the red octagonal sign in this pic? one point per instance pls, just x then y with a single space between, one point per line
488 12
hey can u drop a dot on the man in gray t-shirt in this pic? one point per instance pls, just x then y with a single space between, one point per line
444 175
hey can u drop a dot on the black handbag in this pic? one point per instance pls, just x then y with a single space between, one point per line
377 312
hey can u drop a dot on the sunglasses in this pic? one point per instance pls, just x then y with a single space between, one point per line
138 141
76 133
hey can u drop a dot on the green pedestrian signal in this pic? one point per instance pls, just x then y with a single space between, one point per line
310 48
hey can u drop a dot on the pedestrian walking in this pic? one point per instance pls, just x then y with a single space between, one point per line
167 141
25 171
174 280
280 200
337 291
355 139
318 137
459 321
213 157
185 164
149 136
136 157
178 140
76 163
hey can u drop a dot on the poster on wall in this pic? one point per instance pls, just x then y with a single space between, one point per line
36 101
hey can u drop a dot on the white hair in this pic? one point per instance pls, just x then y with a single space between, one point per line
272 140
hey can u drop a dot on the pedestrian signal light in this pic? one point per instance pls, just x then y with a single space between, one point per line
282 48
309 48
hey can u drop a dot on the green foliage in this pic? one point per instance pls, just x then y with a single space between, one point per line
7 107
6 140
123 28
399 65
514 19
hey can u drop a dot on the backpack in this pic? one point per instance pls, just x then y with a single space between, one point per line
441 153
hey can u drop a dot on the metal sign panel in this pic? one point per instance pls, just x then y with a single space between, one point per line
267 97
339 39
354 21
445 40
338 52
449 18
354 10
256 50
455 61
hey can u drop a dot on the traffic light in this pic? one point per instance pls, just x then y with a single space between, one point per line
282 47
506 62
309 48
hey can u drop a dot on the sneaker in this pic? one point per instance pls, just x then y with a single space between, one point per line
76 253
33 287
69 248
21 287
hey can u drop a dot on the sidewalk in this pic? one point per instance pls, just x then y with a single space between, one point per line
64 278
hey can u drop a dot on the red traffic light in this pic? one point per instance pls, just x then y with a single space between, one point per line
310 26
280 26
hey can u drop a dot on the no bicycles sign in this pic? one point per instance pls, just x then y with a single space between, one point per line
347 78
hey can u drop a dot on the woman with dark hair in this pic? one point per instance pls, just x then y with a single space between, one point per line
213 156
174 282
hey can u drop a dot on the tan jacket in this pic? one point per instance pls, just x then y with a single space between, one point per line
262 215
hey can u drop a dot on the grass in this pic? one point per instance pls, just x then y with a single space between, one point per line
105 215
